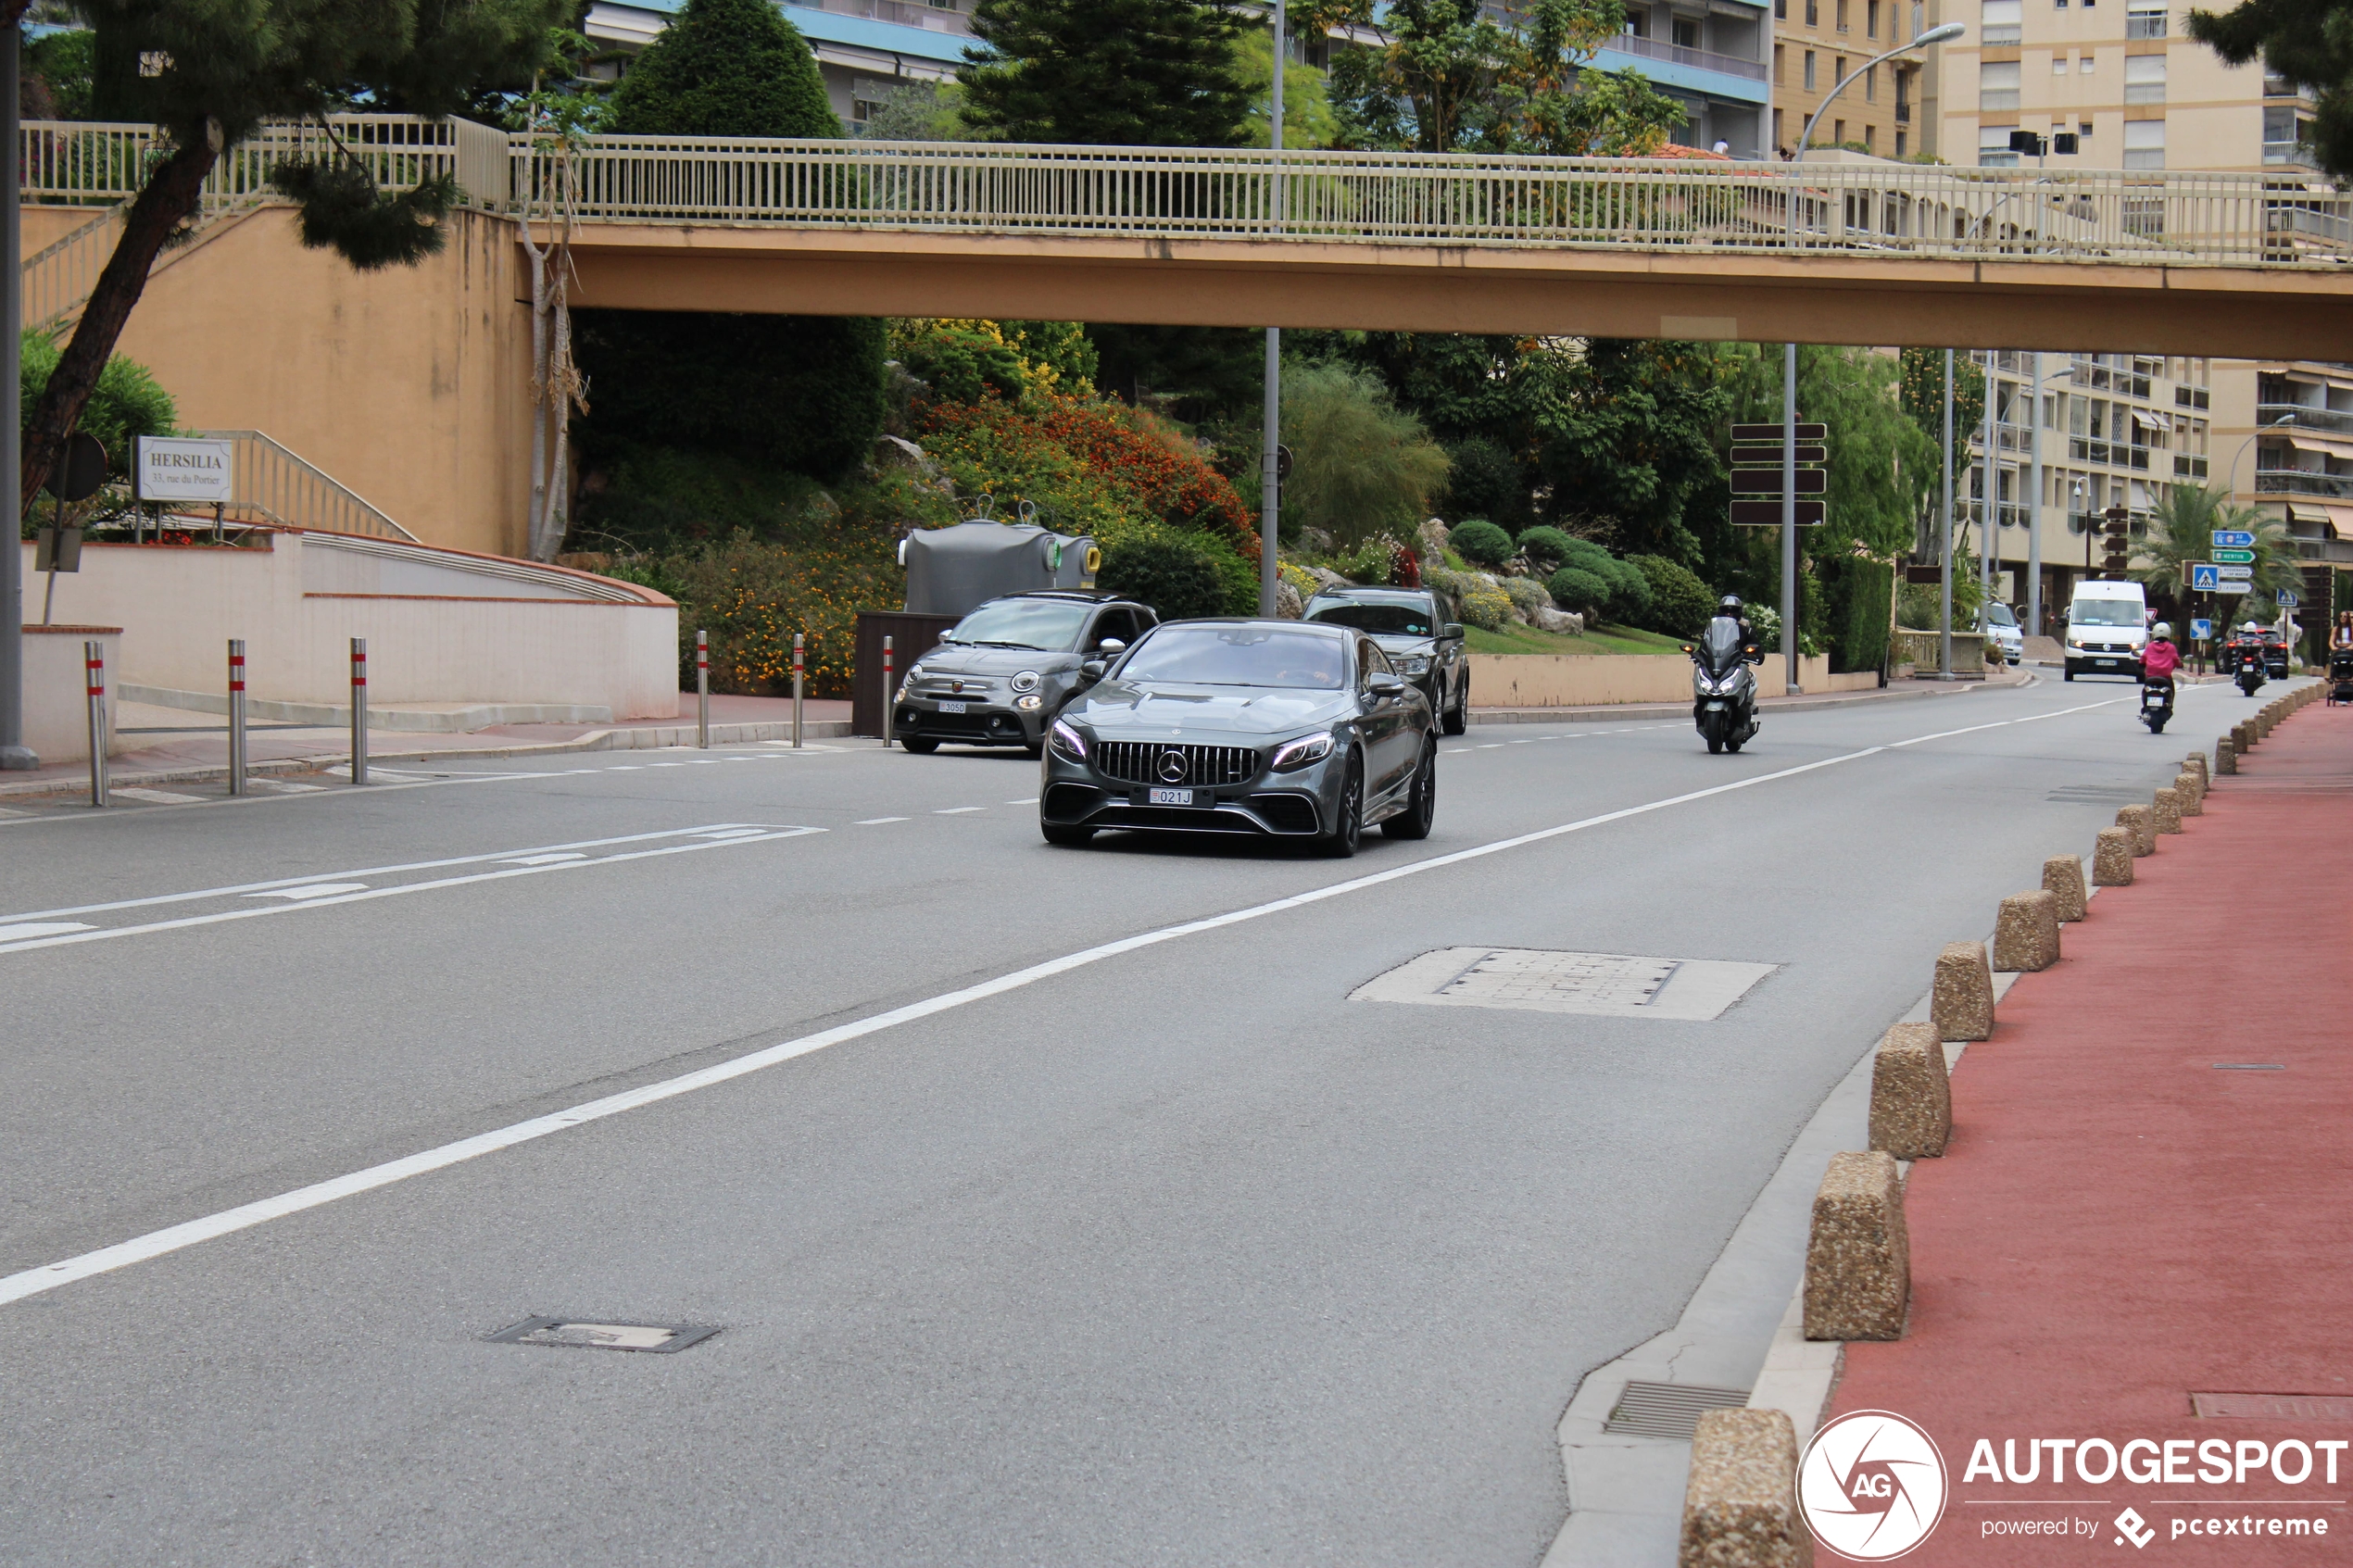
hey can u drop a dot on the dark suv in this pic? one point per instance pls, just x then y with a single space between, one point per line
1412 628
1000 675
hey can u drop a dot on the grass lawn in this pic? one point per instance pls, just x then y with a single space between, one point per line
1515 638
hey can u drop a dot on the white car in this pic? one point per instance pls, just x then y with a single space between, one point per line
1996 621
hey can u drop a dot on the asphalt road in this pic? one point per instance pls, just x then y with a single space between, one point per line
1174 1254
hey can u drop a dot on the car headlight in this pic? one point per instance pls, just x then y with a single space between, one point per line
1067 742
1300 753
913 670
1026 682
1030 704
1413 664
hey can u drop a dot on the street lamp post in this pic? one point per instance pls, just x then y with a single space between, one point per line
1944 35
2283 421
1270 481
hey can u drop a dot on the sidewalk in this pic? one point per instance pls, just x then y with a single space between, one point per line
175 745
2146 1198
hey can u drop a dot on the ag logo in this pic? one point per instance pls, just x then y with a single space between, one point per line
1872 1485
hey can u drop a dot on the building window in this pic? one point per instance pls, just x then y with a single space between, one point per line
1813 13
1838 132
1686 32
1993 147
1998 86
2087 63
1842 15
1899 143
1871 139
2145 143
1779 55
2145 18
2001 22
1838 70
2144 79
1870 84
1780 10
2059 63
1776 132
1870 18
1809 70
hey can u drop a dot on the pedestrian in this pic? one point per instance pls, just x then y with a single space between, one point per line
1723 148
2342 637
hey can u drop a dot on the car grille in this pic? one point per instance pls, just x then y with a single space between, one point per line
1138 761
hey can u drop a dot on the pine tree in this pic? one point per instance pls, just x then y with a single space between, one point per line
229 67
725 67
1135 73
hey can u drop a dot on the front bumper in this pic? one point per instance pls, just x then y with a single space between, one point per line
919 716
1300 804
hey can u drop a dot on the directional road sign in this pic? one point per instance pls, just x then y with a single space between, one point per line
2204 577
2233 539
1768 514
2234 574
2237 558
1752 456
1743 434
1768 482
2201 630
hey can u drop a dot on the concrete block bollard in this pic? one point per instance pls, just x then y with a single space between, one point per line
2242 737
2168 811
2026 932
1858 1255
2112 859
1911 1094
2063 880
1740 1506
2226 757
1961 1005
2193 794
2141 823
2196 762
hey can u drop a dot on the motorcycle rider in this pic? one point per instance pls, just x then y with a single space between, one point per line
2160 660
1730 605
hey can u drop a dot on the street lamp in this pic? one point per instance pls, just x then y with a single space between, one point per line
1944 35
2283 421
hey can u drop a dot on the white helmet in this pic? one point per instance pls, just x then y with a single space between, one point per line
2252 626
2162 629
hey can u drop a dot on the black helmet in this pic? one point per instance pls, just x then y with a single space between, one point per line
1730 605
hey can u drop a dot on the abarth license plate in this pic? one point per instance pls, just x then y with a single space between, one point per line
1172 797
951 708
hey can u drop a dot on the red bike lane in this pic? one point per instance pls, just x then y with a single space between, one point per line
2148 1199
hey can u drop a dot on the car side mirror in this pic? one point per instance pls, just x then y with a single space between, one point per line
1109 646
1455 629
1385 686
1093 668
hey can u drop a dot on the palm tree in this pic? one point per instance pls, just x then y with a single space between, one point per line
2181 527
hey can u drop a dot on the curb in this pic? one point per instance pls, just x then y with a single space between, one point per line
669 738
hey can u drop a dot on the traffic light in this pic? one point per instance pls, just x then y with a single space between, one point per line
2117 541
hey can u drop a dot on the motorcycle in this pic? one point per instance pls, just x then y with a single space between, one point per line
2248 659
2156 705
1723 688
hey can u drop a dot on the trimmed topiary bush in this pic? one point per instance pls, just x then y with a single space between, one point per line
1573 587
1175 574
1545 547
1680 603
1629 592
1481 543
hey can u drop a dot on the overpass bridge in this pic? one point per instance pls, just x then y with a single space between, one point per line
1862 252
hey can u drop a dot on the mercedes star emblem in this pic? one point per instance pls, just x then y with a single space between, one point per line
1172 767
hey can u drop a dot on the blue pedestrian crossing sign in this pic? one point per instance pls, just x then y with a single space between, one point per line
2234 539
2205 577
2201 630
2288 601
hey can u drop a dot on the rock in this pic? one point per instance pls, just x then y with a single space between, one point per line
1434 534
2026 932
2063 880
1326 577
898 452
2168 811
1911 1095
1566 622
1740 1505
2141 823
2112 859
1858 1263
1314 541
2193 794
1287 605
1961 1005
2226 757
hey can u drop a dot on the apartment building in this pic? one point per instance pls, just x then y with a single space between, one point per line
864 48
1708 56
1817 43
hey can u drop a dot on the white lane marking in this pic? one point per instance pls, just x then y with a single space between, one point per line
364 893
876 821
156 1244
542 860
380 871
1528 742
159 796
704 763
665 764
283 787
1031 801
628 768
41 928
2000 723
1456 750
959 810
313 890
1491 745
722 832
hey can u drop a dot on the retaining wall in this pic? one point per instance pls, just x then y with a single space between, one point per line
1545 679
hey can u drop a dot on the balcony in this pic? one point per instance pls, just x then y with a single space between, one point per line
2185 467
901 13
2147 24
1903 112
2307 416
2001 37
2293 154
2000 100
2112 453
1677 54
2303 482
2281 87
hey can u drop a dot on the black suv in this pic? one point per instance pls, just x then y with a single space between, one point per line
1412 628
1002 673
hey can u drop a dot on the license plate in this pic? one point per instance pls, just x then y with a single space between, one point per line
951 708
1172 797
2103 661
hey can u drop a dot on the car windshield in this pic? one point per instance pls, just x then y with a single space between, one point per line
1238 656
1050 625
1401 617
1999 615
2105 612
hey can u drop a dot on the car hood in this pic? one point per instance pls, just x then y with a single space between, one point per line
1398 642
964 659
1119 711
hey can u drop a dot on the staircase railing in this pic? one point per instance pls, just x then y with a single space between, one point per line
58 278
275 485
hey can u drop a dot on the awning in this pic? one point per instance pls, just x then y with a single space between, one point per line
2150 419
2327 447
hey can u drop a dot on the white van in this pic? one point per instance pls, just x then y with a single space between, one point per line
2106 629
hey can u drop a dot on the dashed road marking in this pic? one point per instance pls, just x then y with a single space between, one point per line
314 890
876 821
158 796
959 810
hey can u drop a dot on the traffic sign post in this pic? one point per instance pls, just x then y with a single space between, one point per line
2236 558
2205 577
2201 630
2233 539
1761 455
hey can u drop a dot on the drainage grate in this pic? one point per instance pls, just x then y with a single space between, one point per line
1668 1410
1534 980
578 1334
2276 1407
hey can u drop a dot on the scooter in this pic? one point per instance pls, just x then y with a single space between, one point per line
1723 688
2156 705
2250 676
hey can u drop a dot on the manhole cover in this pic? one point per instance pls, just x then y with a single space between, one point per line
1668 1410
2276 1407
580 1334
1532 980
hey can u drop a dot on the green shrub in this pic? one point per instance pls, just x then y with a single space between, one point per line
1573 587
1860 593
1176 574
1484 481
1488 608
1680 603
1545 547
1527 595
1371 563
725 67
126 402
1362 466
1481 542
1629 592
1587 554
